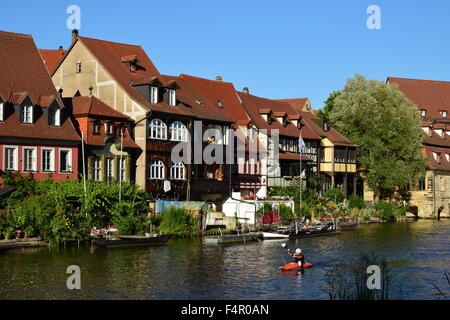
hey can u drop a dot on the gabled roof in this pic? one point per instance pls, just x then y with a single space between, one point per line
91 106
316 124
298 104
221 95
23 74
255 106
52 58
441 163
432 96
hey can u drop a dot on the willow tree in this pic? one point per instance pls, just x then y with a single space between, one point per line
386 127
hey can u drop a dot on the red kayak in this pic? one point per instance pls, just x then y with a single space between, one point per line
294 266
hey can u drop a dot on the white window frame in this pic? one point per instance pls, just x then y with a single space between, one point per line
54 117
109 170
157 129
153 94
423 112
2 110
121 168
69 163
97 169
34 159
16 158
444 114
52 159
171 97
178 132
157 170
26 113
178 171
79 67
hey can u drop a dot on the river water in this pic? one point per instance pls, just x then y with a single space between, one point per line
417 252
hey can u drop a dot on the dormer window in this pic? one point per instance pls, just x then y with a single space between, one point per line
79 67
54 117
326 126
171 97
26 114
219 104
423 113
2 110
436 156
96 128
154 95
444 114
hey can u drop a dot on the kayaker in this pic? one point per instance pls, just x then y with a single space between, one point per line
298 256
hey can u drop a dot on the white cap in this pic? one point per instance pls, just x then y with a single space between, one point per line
298 251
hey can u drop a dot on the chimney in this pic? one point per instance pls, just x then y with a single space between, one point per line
219 78
246 90
74 35
61 48
60 91
90 90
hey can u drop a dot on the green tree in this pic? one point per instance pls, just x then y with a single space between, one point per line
325 112
386 126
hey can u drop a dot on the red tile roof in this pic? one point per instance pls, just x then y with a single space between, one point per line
255 105
316 124
91 106
432 96
52 58
220 93
23 74
441 163
298 104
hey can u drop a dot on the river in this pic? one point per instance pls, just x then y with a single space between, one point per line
417 253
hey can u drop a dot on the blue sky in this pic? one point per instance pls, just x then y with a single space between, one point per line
279 49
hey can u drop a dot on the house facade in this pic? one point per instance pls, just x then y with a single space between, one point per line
109 152
163 108
37 136
337 154
249 167
430 195
277 120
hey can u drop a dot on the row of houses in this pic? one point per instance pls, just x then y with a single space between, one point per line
109 100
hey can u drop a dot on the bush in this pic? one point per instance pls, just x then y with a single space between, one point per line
285 213
355 202
336 195
177 220
388 211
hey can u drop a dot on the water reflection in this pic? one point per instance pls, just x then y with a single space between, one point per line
186 269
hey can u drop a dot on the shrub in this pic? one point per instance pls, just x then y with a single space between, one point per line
355 202
336 195
177 220
388 211
285 213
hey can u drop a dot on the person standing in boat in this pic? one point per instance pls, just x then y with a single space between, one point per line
298 256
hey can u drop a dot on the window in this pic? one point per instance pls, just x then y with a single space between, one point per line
178 132
219 104
11 163
422 184
177 171
154 95
26 114
109 129
340 155
171 97
158 130
444 114
121 169
156 170
65 160
109 170
54 117
97 169
423 113
79 67
96 128
2 111
29 159
48 160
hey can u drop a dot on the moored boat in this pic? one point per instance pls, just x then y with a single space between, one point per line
129 241
273 236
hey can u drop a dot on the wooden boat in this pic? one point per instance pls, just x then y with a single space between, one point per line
273 236
130 241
